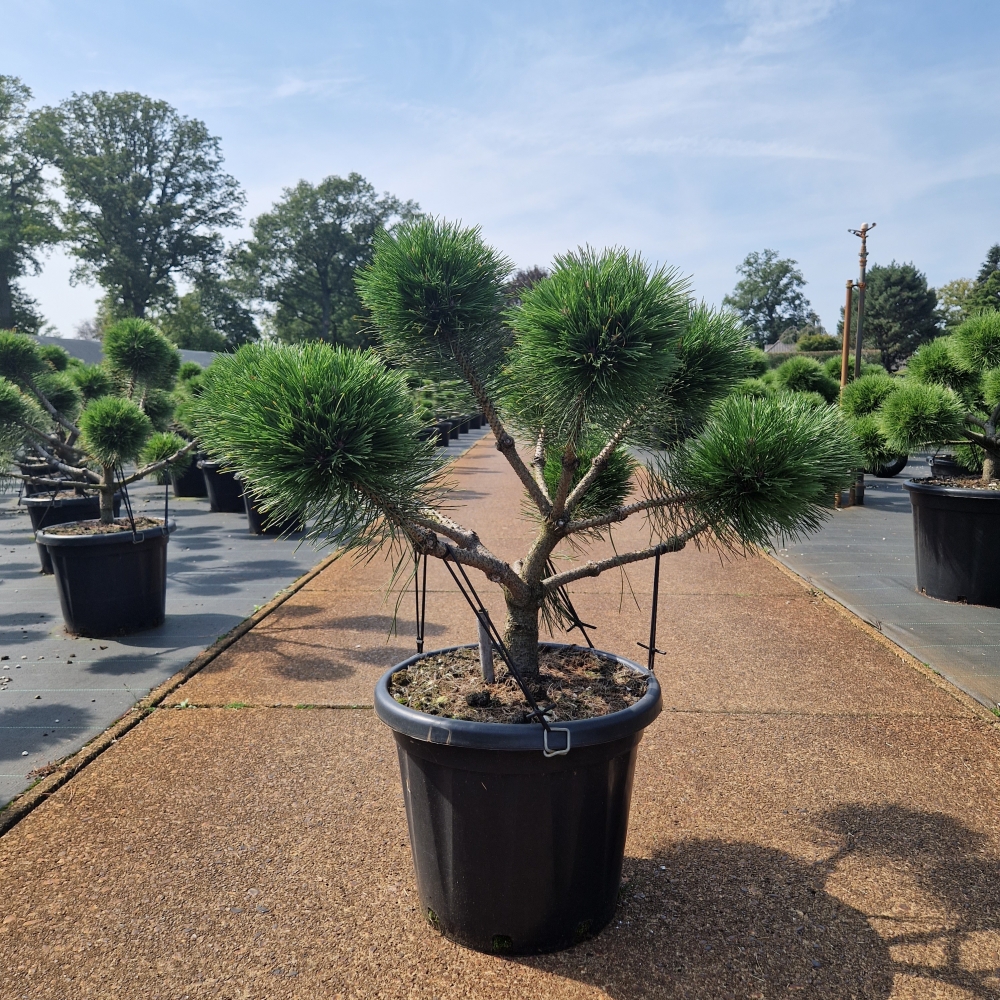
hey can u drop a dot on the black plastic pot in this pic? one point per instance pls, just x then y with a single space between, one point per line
516 852
260 523
956 534
111 584
44 512
892 469
190 482
225 491
945 467
453 430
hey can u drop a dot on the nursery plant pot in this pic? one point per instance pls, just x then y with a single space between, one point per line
110 584
44 512
225 491
444 432
956 534
892 469
516 852
476 422
945 467
260 523
453 431
190 482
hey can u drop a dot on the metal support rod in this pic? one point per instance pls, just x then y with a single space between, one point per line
845 356
485 650
651 648
859 487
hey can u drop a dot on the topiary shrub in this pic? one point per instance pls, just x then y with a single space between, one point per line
951 392
88 422
799 374
591 352
818 342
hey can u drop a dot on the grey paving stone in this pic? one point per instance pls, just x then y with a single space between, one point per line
863 558
217 575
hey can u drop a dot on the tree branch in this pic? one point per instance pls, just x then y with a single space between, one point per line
597 466
624 512
51 410
478 557
569 464
538 464
87 474
156 466
435 521
505 443
674 544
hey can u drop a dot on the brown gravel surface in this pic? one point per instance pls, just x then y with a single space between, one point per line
811 816
962 482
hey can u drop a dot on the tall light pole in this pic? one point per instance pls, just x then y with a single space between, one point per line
859 487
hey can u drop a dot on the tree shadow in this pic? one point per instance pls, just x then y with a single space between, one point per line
945 860
713 919
293 658
226 576
33 728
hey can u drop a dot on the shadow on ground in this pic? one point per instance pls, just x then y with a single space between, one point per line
715 919
34 727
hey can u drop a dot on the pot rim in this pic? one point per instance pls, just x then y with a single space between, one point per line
45 499
959 492
109 538
507 736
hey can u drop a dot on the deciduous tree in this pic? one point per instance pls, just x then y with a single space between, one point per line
146 195
768 297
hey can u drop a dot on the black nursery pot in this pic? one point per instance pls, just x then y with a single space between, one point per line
44 512
956 533
190 482
261 524
516 852
41 469
225 491
111 584
945 467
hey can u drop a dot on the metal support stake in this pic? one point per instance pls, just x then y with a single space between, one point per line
859 490
651 648
845 360
485 650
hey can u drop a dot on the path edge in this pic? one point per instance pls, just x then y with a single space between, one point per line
939 680
61 772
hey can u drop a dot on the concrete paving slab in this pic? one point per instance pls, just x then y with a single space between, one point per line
864 559
217 575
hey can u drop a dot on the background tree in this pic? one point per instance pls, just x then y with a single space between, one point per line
145 192
305 252
769 298
27 222
955 302
900 312
986 292
521 282
211 317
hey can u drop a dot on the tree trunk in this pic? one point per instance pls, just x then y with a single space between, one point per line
6 304
107 489
521 637
989 468
327 307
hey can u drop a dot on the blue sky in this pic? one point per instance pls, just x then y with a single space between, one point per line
693 132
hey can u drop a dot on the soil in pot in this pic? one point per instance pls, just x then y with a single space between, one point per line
573 683
110 581
517 852
48 509
225 491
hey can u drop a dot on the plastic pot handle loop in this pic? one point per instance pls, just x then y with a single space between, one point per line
138 537
545 741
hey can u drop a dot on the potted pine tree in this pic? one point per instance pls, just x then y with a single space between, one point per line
111 573
516 776
951 392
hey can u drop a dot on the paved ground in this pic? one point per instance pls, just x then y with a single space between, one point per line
58 692
813 813
864 559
